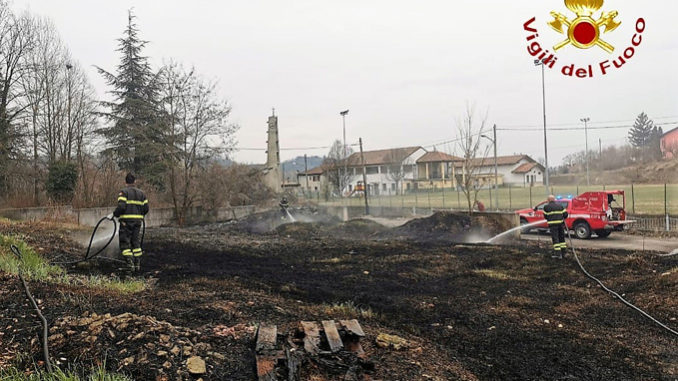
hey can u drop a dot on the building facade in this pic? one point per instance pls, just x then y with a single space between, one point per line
669 144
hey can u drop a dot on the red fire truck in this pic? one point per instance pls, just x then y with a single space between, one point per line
591 212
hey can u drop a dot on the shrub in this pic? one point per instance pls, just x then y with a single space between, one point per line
61 181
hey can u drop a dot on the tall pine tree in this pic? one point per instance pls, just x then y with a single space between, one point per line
134 134
640 134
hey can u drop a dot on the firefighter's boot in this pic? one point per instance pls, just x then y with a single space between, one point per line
130 264
557 255
137 264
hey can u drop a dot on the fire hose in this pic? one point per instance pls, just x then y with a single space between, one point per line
615 294
88 254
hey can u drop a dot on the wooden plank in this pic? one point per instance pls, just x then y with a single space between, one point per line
293 365
311 337
352 327
332 335
266 338
266 368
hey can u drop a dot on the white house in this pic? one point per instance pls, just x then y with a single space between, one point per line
387 170
519 170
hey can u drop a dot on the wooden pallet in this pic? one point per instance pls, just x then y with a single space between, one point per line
284 354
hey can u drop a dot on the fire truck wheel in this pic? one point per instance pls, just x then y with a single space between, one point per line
582 230
603 233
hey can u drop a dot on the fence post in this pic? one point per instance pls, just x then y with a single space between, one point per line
666 209
443 196
633 200
458 198
577 189
510 200
416 201
530 196
429 200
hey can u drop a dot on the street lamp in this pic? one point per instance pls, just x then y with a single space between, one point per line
546 152
343 120
586 134
496 182
68 71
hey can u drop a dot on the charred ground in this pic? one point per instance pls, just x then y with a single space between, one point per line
469 312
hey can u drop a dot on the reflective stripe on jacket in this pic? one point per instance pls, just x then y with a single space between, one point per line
132 204
554 213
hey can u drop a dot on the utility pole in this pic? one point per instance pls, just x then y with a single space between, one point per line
362 162
345 176
496 176
546 152
586 136
306 172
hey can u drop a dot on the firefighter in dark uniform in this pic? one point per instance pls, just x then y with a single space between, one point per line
555 215
132 207
283 207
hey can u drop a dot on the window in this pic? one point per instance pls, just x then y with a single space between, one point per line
383 169
408 186
350 187
393 187
383 186
372 170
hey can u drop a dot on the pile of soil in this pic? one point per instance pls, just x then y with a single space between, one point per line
270 220
449 227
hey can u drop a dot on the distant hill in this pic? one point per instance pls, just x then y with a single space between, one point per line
293 166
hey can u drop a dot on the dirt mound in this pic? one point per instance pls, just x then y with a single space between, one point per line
359 228
271 220
449 226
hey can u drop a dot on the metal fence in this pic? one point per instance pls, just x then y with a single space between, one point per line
654 206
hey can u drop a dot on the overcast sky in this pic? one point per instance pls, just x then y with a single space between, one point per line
405 69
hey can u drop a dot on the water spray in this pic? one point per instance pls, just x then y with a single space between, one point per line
290 215
89 255
521 227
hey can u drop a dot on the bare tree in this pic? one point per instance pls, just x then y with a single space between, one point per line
16 40
198 129
473 156
59 102
338 173
396 171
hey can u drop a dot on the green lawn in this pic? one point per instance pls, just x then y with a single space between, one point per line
645 198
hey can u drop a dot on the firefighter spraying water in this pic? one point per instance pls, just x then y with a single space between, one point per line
131 210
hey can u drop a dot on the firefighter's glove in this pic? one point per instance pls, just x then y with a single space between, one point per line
110 216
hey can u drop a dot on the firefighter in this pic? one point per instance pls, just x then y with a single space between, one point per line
555 215
132 207
283 207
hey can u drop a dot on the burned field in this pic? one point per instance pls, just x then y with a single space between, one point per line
462 311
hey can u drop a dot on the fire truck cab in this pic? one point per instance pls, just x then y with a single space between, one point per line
591 212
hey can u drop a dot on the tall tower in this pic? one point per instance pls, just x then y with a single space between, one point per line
273 175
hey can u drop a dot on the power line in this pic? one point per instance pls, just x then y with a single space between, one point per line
581 128
292 149
576 124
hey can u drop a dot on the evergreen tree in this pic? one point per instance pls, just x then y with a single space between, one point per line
641 133
134 135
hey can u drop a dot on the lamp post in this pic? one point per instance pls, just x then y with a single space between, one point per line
70 127
546 152
496 177
343 120
586 136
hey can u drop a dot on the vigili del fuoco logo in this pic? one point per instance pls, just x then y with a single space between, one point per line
585 28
